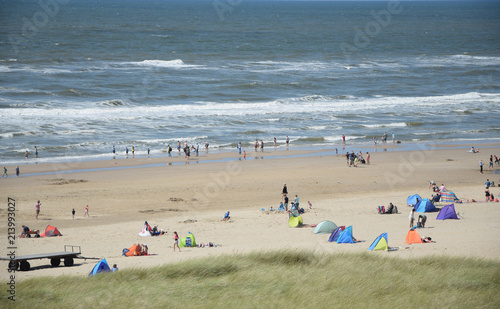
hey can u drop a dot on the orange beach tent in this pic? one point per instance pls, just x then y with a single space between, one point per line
413 237
51 231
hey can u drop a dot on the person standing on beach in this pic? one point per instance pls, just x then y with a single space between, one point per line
114 150
17 171
481 166
244 154
287 141
256 145
148 151
169 150
261 146
393 138
73 213
176 241
197 148
36 152
284 190
133 151
186 152
487 194
412 217
37 209
5 172
286 203
126 151
26 154
491 162
86 213
239 147
274 140
375 141
179 147
343 139
367 158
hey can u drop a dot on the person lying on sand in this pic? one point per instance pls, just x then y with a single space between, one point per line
427 240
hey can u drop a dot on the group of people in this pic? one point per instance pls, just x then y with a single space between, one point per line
6 175
353 160
294 206
493 160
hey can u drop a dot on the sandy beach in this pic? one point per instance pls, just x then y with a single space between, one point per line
175 196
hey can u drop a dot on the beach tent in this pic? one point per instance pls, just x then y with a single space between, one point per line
295 221
380 243
346 236
413 199
448 197
132 251
335 234
447 212
50 231
325 227
425 206
101 266
187 241
413 237
145 231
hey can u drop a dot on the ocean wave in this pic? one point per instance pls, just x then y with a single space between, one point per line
389 125
175 64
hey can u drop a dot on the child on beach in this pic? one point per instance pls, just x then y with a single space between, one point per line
176 241
412 217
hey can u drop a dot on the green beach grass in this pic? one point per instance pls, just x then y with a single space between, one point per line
279 279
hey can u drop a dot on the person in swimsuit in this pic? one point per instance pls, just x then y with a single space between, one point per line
176 241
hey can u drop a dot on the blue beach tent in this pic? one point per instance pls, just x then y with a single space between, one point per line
380 243
413 199
425 206
346 236
101 266
336 233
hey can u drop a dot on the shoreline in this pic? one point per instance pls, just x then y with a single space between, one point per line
142 161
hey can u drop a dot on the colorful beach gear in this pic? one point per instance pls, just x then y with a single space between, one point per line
447 212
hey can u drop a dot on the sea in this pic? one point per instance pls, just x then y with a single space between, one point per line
78 77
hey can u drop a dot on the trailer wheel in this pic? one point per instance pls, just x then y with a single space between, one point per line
68 261
55 262
25 265
14 265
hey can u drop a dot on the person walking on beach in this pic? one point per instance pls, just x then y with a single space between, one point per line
481 166
176 241
37 209
261 146
133 151
179 147
343 139
126 151
412 217
73 213
169 150
274 140
86 213
5 172
114 150
256 145
148 151
197 148
287 141
239 147
244 154
367 158
36 152
393 138
491 162
17 171
26 154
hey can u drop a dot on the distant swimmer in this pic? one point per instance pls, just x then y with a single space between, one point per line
36 152
26 154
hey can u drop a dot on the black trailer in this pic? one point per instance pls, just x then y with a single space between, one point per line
69 254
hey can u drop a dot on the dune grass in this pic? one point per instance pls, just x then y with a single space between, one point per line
281 279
